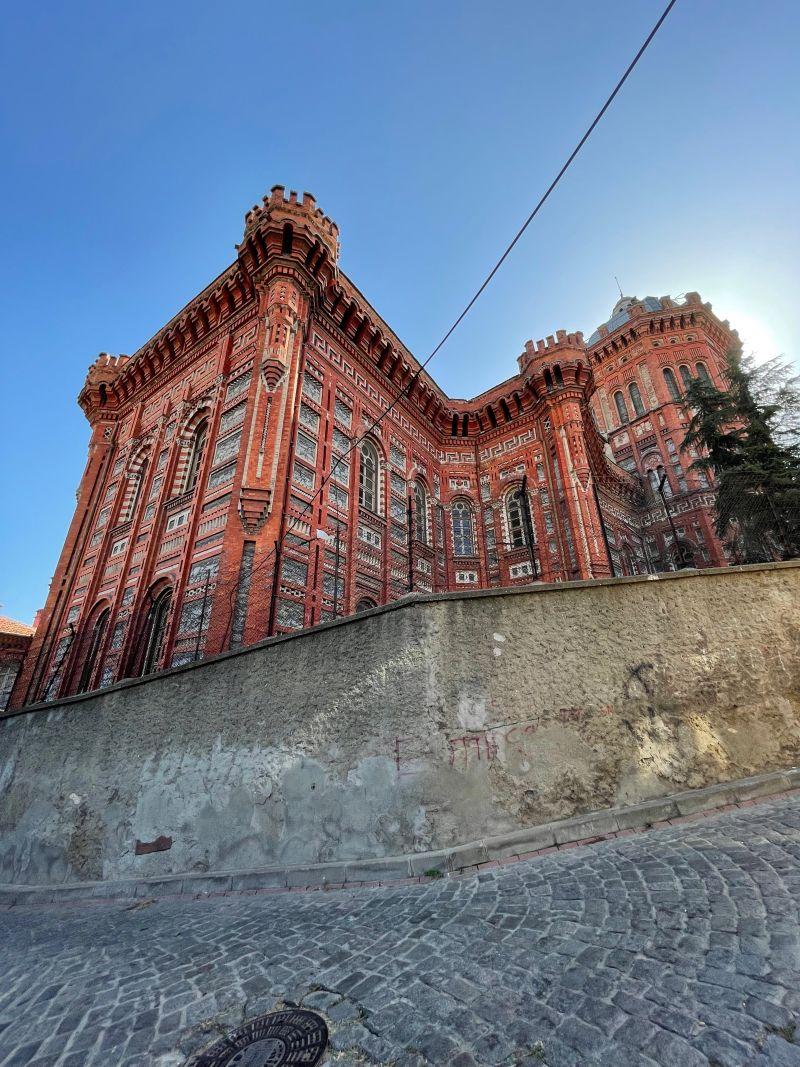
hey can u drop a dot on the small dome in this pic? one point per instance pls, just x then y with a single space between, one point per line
625 303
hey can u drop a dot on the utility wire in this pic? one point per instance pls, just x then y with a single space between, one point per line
407 390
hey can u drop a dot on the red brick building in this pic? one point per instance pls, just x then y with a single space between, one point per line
209 445
15 640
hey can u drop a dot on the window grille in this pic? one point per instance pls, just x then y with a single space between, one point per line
368 477
516 529
622 408
420 513
463 529
312 388
636 399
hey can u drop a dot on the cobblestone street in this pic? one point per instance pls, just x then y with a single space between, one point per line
678 946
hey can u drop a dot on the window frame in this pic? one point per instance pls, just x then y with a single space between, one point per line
462 529
420 516
196 452
672 384
637 400
369 471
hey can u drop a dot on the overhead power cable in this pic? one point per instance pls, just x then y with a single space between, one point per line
407 389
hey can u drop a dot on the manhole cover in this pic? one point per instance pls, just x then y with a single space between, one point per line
282 1037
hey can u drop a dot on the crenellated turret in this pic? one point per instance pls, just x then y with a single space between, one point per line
555 363
290 229
99 397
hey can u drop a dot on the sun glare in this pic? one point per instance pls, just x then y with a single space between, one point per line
757 336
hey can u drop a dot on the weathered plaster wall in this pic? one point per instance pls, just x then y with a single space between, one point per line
416 727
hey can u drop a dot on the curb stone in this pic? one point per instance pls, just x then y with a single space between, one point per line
402 870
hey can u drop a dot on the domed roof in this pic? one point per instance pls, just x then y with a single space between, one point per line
621 314
625 303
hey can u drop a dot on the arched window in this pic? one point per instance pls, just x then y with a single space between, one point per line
368 477
138 480
364 604
155 630
636 398
702 372
655 477
672 384
516 526
628 564
287 239
196 450
558 375
420 513
463 529
622 407
93 641
686 375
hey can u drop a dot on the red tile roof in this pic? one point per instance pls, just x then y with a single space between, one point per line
18 629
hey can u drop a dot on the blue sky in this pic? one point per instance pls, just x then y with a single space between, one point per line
136 136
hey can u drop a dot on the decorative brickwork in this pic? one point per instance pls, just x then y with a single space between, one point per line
210 442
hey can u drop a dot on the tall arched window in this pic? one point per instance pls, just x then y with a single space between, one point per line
420 513
686 375
672 384
516 526
155 630
636 398
138 480
368 477
463 529
94 639
655 477
702 372
196 450
622 407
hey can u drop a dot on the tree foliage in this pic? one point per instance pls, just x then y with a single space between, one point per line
747 435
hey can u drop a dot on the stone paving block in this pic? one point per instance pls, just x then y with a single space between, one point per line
114 890
645 814
594 825
759 786
378 870
716 796
468 856
430 861
316 875
530 839
159 887
268 878
201 885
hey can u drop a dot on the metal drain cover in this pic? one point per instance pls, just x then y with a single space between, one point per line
294 1036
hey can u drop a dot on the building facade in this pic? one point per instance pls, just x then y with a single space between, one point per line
223 499
15 640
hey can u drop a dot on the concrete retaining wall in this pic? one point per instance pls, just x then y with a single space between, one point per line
412 728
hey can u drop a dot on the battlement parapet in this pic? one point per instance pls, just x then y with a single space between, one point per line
550 349
300 211
99 392
106 367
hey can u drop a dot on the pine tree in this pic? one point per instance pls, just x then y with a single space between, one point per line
747 437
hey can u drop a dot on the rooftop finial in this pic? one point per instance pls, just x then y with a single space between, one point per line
616 279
